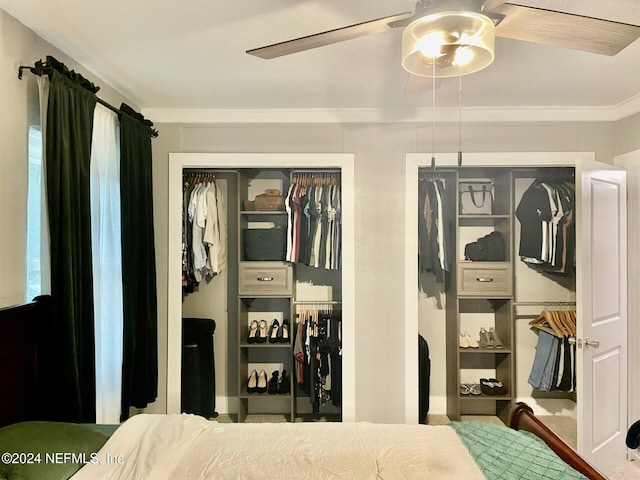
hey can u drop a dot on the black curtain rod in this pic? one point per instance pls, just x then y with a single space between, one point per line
39 69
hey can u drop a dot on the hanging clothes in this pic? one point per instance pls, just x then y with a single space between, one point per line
314 222
434 217
547 226
204 229
318 355
554 366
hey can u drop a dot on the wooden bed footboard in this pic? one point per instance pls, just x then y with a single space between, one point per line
20 330
523 418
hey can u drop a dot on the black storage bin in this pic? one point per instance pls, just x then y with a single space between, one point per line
191 393
265 244
198 367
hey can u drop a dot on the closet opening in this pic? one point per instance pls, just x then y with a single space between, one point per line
496 249
272 294
598 289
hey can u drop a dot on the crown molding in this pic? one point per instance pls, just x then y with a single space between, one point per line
372 115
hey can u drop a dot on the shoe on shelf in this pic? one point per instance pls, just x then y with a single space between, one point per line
492 386
463 342
464 389
273 331
283 332
485 339
486 386
473 343
497 343
262 332
252 382
261 386
499 387
284 384
272 386
252 336
474 389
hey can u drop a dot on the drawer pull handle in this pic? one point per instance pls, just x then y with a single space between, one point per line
484 279
265 279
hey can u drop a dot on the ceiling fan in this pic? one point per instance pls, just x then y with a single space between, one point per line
468 27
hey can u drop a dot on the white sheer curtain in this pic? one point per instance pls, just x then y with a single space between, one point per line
107 263
45 256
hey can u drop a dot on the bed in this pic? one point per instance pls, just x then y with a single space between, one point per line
187 446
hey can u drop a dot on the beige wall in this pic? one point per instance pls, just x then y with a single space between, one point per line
20 46
379 194
627 134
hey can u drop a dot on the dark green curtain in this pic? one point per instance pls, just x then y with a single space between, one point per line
71 369
140 349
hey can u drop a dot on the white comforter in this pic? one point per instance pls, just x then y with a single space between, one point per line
190 447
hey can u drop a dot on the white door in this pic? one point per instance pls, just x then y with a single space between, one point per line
602 314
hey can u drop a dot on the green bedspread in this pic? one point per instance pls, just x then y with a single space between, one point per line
503 453
48 450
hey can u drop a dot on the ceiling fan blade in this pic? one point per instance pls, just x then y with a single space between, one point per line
492 4
567 30
327 38
417 84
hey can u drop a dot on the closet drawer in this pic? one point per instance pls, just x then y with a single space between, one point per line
484 279
265 278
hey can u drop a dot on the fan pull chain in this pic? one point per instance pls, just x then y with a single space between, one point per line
433 118
460 120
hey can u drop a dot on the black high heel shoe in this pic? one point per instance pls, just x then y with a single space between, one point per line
283 332
284 385
274 330
252 382
252 336
261 386
262 332
272 387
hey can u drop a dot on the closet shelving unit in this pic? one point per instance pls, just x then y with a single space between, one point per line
266 290
269 288
480 294
528 303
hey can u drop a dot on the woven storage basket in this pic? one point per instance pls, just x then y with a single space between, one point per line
265 244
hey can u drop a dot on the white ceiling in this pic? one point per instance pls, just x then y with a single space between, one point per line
190 54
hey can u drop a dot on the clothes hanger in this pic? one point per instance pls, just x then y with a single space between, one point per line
560 319
545 323
571 320
556 323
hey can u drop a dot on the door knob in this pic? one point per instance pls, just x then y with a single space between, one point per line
587 342
591 343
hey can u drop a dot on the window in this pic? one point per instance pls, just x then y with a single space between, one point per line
34 223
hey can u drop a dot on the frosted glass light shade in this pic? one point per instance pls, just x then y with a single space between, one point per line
459 42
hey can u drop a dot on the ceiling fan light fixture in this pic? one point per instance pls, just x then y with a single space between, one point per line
458 42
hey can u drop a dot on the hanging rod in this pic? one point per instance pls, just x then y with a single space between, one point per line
543 304
329 170
37 70
317 302
186 172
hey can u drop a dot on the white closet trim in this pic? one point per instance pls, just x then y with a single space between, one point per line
631 162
